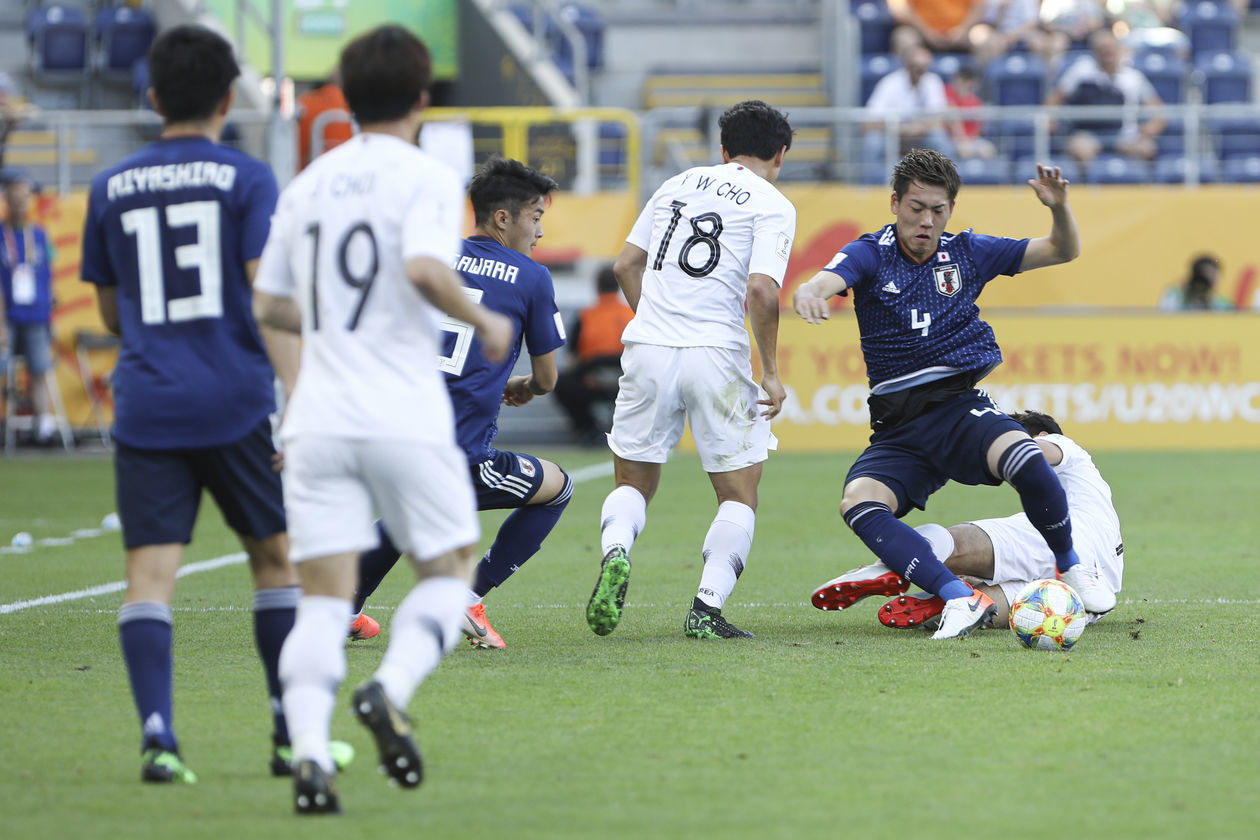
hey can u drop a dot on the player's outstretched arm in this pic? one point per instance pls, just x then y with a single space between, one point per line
540 380
629 268
440 287
810 298
1063 244
763 315
283 344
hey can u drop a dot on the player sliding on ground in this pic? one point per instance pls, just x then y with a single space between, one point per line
914 290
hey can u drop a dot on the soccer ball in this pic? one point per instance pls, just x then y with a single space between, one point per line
1048 615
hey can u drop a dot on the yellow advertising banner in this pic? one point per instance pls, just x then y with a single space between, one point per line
1157 381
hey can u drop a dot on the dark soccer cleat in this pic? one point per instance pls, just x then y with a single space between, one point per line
165 767
708 623
282 756
852 586
399 757
603 611
922 609
314 791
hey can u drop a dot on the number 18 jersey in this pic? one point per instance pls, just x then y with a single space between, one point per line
343 230
705 231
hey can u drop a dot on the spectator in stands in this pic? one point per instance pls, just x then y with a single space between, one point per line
911 91
1071 22
944 24
1006 25
11 111
326 97
967 132
595 344
1198 291
1140 23
26 302
1104 78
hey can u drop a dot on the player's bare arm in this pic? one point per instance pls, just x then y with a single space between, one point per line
540 380
810 298
629 268
107 305
1063 244
763 315
439 285
278 313
283 346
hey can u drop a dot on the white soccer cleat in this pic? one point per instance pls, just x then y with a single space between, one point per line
962 615
1094 594
852 586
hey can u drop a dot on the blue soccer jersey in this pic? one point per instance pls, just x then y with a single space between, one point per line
919 322
511 284
171 227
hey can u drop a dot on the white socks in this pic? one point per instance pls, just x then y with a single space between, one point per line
726 549
425 628
312 666
622 519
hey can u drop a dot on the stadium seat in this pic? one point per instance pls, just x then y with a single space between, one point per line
123 35
58 36
1167 75
1067 59
1024 168
1224 76
1014 137
873 68
587 21
1235 136
1016 79
1212 27
980 172
875 26
1172 169
1241 170
946 65
1117 169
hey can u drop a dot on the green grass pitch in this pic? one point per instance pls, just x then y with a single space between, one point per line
824 725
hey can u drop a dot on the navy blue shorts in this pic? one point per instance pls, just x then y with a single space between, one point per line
159 490
506 480
950 442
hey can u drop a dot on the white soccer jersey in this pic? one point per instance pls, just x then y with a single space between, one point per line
341 234
705 231
1095 524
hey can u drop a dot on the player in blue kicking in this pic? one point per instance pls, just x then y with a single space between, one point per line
508 200
171 240
914 290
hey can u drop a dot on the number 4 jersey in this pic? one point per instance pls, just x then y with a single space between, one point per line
705 231
343 231
171 228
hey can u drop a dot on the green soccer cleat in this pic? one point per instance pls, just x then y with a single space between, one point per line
282 757
165 767
603 612
704 622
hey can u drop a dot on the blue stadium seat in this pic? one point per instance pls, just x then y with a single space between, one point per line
1172 169
124 35
59 37
1016 79
1226 76
872 69
979 172
1212 27
1235 136
1117 169
1241 170
1014 137
1025 168
1069 58
1167 75
140 83
1172 141
946 65
875 26
591 25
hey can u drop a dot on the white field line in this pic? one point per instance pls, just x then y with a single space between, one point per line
580 475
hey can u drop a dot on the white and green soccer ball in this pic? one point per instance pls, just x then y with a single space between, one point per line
1048 615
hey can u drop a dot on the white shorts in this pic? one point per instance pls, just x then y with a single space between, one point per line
1020 553
662 388
334 488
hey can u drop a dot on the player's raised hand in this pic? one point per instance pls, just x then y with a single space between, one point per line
495 332
774 390
1050 185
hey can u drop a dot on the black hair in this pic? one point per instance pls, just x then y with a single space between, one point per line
508 184
606 280
929 167
383 74
192 69
1035 422
754 128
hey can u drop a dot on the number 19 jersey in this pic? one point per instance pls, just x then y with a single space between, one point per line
705 231
343 230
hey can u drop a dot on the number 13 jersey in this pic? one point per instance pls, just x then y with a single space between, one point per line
343 230
705 231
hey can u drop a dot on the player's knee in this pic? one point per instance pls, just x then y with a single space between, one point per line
557 487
